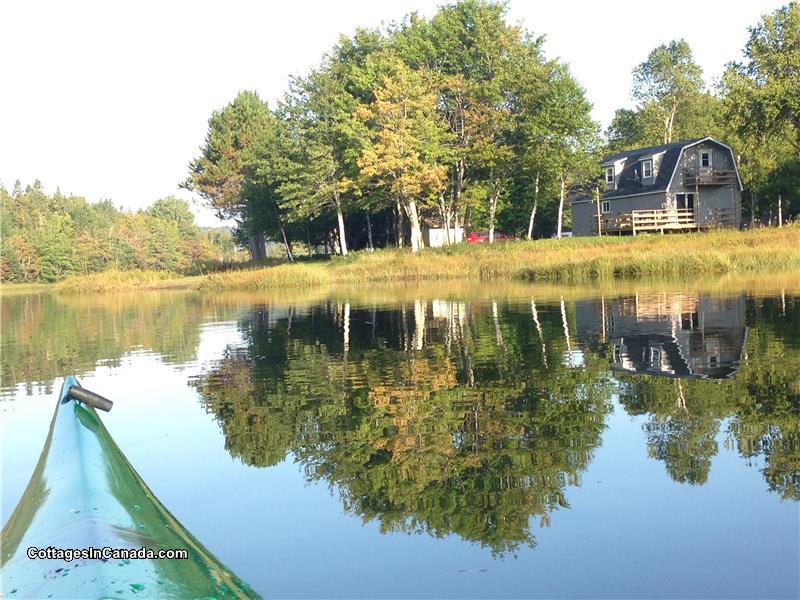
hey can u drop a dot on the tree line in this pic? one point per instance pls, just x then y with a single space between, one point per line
46 238
461 122
458 120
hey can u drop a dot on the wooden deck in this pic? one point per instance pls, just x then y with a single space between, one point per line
664 221
643 221
707 176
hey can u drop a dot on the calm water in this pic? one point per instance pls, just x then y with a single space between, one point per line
465 444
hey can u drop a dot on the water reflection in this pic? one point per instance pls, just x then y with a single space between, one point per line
453 417
45 336
674 335
430 417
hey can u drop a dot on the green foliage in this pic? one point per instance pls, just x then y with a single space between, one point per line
762 109
671 103
47 238
423 123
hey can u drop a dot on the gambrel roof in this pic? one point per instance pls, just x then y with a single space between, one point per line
629 180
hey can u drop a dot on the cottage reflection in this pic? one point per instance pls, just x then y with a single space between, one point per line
672 335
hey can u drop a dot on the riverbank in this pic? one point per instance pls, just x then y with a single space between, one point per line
572 261
122 281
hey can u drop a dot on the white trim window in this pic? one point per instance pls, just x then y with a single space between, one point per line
605 206
609 174
705 158
647 168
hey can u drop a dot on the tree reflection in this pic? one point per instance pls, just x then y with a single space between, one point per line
45 336
440 417
697 365
473 419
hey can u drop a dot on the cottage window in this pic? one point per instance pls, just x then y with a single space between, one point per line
609 174
684 201
647 169
605 206
705 158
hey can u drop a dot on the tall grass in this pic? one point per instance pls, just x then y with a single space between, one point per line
573 260
120 281
285 275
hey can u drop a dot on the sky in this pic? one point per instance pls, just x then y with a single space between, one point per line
110 100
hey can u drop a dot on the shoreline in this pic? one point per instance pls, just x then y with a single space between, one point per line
590 261
570 260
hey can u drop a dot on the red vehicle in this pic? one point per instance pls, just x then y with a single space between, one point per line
482 237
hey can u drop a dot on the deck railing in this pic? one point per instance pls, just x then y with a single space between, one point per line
640 221
708 176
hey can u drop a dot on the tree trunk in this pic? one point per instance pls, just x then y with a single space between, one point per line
286 243
669 122
561 206
493 210
535 206
413 220
444 214
458 188
370 247
289 255
340 221
337 246
308 240
398 225
257 251
599 216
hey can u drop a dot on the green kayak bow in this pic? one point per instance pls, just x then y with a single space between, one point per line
84 495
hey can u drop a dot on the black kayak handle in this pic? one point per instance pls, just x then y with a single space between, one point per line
90 398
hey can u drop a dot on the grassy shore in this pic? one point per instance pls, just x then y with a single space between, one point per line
575 260
121 281
567 261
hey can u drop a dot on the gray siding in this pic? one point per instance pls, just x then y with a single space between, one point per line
626 204
584 218
708 199
584 214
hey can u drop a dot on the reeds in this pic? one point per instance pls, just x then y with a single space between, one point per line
572 260
120 281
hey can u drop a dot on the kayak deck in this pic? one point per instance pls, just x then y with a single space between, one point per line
85 494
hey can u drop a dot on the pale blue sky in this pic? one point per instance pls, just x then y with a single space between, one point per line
110 99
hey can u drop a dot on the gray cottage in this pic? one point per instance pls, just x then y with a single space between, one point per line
683 186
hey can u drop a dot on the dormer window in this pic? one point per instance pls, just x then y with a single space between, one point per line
705 158
647 168
609 174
